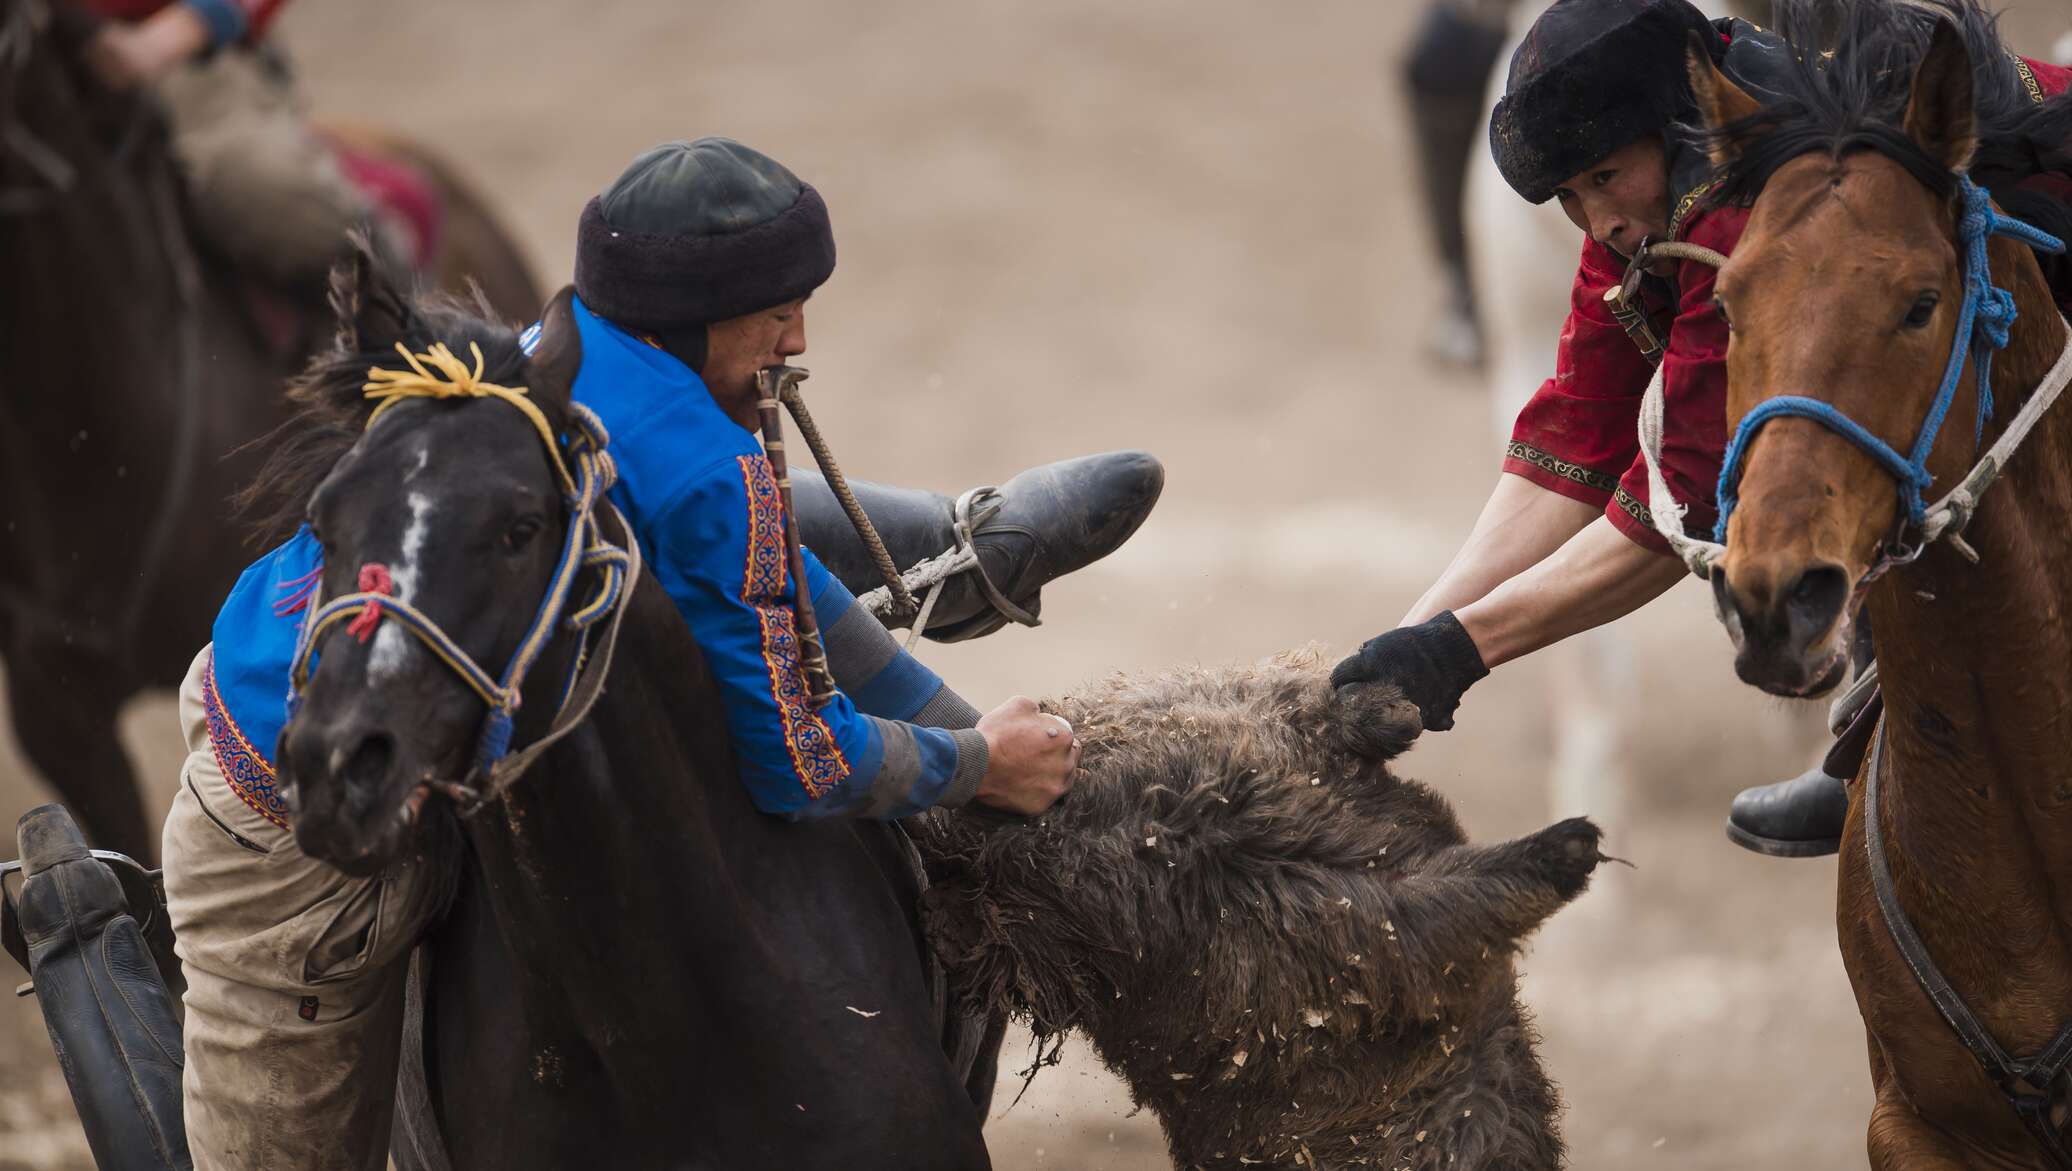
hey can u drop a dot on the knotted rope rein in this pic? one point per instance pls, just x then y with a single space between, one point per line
440 374
1985 322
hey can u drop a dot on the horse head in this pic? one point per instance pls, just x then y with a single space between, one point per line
452 506
1844 297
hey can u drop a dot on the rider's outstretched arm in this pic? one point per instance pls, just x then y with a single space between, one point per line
1521 525
1596 576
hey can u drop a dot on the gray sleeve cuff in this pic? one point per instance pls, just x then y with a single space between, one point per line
971 763
946 710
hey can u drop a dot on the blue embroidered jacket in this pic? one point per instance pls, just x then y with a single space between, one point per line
704 504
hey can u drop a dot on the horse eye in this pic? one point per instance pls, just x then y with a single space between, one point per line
1723 314
520 534
1924 309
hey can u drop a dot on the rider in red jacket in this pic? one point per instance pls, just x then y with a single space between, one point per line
1566 542
269 193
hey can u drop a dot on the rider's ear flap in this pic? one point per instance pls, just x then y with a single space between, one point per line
373 311
550 374
1942 115
1727 110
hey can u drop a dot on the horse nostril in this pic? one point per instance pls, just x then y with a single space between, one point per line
1814 601
370 758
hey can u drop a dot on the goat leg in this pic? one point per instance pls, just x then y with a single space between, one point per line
1467 902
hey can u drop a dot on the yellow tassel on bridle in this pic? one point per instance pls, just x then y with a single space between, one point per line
440 373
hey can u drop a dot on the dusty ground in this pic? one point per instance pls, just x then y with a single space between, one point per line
1185 225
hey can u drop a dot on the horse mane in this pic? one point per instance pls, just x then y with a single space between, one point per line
330 407
1855 98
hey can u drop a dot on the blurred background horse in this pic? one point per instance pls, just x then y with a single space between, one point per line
139 365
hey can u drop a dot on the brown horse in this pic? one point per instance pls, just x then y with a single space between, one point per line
136 375
1847 288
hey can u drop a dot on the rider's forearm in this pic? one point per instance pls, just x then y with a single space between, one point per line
1597 576
871 668
1520 526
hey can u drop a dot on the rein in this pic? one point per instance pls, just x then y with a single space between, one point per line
1984 326
439 374
2025 1081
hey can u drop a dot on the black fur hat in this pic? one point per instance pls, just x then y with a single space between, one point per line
698 232
1590 77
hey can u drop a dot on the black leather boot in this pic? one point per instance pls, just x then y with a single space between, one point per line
1042 524
1798 818
111 1018
1803 817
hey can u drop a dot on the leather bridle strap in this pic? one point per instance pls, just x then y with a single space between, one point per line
2025 1082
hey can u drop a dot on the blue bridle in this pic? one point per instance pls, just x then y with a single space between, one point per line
1983 325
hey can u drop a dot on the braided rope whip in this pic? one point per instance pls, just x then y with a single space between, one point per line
894 602
832 471
770 385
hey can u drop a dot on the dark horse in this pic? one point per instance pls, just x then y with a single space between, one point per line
638 969
1846 289
135 373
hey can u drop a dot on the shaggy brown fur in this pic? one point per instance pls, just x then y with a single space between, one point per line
1291 955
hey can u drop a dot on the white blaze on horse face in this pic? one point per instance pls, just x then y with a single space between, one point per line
390 643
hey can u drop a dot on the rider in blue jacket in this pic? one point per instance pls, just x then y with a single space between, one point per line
693 272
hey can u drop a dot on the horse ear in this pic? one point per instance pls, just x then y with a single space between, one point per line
550 373
372 309
1942 113
1722 104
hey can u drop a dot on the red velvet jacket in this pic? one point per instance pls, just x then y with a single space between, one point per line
1577 436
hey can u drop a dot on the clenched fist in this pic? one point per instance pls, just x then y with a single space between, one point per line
1030 757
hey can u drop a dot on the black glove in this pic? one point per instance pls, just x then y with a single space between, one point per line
1434 664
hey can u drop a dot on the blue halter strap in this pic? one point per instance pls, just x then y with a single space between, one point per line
1983 324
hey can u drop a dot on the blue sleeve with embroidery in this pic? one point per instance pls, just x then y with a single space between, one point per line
717 547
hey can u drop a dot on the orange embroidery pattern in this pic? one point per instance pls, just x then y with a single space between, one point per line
815 756
244 769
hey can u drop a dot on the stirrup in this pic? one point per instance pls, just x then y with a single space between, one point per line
974 508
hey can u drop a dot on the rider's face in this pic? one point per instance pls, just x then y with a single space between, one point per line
1623 198
738 347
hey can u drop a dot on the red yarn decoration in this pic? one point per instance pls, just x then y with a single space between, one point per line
374 579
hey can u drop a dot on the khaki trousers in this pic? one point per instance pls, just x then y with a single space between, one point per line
294 979
268 192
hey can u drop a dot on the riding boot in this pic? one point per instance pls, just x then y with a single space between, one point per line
1798 818
1803 817
1042 524
111 1019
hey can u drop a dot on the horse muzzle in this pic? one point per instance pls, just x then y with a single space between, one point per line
1789 627
349 788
